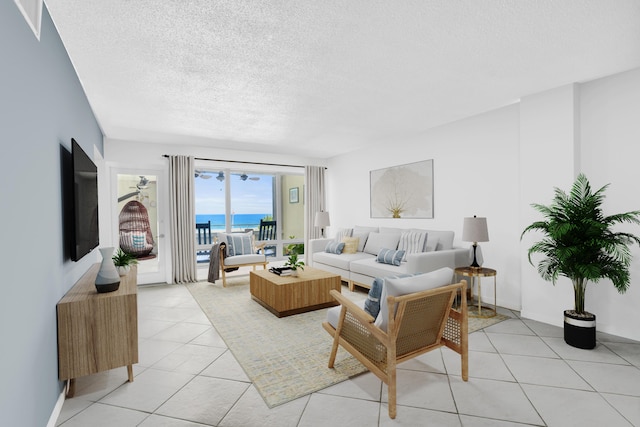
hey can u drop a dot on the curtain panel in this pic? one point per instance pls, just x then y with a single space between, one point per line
182 219
315 202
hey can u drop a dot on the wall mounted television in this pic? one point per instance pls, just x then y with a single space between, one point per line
85 203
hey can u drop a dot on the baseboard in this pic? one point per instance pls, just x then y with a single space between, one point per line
53 419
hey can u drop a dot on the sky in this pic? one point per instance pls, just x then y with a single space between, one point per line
247 197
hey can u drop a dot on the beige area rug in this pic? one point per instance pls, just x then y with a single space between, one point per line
287 357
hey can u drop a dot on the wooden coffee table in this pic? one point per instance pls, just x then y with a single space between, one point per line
287 295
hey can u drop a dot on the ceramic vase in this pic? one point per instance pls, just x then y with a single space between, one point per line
108 279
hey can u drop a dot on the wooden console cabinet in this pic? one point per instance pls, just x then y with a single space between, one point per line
97 332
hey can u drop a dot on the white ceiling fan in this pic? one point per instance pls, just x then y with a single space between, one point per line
202 174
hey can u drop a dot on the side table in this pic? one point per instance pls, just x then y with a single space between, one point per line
478 273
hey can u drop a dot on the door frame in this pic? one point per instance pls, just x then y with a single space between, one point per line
163 275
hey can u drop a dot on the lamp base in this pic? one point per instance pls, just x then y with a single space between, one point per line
477 256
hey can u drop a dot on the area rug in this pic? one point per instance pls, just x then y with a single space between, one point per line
287 357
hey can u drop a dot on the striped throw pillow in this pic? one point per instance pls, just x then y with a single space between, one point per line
334 247
390 256
239 244
412 242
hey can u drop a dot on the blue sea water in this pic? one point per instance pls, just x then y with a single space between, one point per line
238 221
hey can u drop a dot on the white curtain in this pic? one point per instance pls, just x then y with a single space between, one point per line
183 222
315 202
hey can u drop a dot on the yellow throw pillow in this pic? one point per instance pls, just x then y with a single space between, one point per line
350 245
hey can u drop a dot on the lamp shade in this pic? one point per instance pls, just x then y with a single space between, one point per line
475 230
322 219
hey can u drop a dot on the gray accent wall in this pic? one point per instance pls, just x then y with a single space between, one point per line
42 106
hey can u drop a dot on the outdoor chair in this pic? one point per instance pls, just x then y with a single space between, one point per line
267 231
239 250
416 323
204 233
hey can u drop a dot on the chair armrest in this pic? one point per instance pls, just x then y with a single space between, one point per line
352 308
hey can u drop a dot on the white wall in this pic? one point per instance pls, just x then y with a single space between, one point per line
610 129
548 141
475 173
496 164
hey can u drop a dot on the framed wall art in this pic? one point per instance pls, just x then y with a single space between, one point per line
293 195
404 191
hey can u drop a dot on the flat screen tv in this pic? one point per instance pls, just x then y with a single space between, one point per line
85 203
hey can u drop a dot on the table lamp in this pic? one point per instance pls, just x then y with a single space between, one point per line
322 221
475 230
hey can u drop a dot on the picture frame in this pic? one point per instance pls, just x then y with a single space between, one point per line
404 191
294 195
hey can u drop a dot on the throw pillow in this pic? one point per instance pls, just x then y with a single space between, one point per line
138 239
334 247
408 285
390 256
240 244
412 242
350 245
372 303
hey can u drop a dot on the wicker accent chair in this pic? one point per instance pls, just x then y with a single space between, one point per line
135 230
417 323
249 256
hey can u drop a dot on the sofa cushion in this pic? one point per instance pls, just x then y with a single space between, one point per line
342 261
361 229
393 230
334 247
431 244
244 259
362 237
343 232
412 242
390 256
409 285
377 241
350 245
444 239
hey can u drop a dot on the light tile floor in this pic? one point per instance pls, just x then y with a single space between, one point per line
521 373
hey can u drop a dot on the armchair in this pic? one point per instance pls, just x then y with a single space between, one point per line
239 250
414 324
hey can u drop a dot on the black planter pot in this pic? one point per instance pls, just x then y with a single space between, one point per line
580 330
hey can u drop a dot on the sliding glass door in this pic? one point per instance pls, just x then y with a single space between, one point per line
232 201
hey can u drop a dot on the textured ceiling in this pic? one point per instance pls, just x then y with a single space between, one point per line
320 78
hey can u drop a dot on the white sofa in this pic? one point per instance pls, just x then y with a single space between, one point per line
361 268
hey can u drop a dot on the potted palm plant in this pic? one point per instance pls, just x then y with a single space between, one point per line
580 244
123 261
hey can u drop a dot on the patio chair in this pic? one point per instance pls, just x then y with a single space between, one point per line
239 250
267 231
417 323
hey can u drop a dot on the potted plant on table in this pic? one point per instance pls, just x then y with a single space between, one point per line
579 243
123 261
294 263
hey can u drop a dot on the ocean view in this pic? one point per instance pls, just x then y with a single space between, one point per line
238 221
